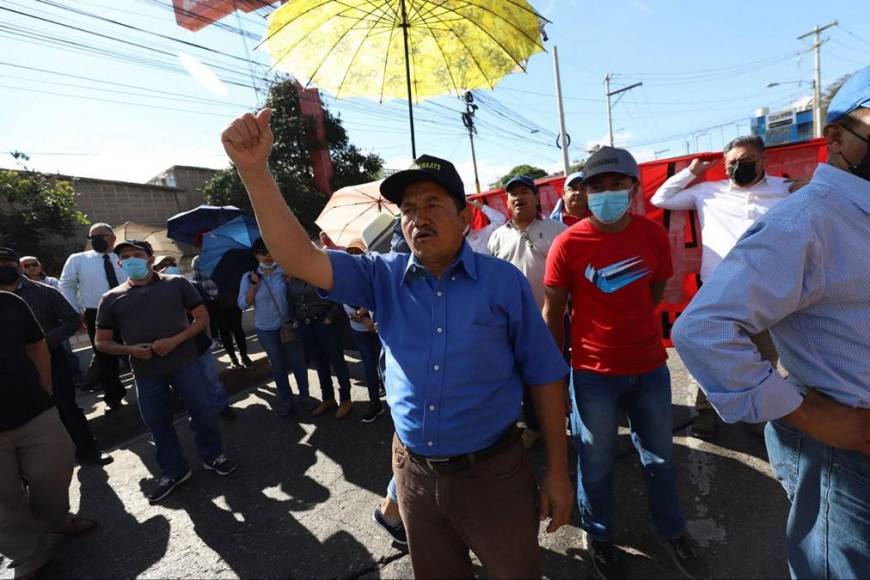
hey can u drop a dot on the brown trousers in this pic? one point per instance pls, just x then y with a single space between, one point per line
490 508
764 343
36 465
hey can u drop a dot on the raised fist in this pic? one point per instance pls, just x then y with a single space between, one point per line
248 140
699 166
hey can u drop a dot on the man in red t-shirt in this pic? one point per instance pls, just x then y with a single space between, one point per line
614 266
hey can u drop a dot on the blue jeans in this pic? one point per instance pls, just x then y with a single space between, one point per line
216 390
323 344
392 492
828 529
156 408
597 404
284 358
369 346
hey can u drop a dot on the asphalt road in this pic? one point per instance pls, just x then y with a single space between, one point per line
300 504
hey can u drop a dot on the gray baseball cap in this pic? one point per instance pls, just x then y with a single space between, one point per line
610 160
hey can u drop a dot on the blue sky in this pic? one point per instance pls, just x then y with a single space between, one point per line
705 67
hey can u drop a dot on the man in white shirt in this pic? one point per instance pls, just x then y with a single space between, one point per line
726 209
85 278
524 242
479 240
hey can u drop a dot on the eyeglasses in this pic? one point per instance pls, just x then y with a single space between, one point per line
31 265
91 237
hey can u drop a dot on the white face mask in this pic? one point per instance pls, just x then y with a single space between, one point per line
267 265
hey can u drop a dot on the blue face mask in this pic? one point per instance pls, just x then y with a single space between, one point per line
136 268
608 207
172 271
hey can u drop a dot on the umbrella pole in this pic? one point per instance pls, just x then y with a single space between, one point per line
405 26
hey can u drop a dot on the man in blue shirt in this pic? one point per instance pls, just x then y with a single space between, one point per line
803 272
462 335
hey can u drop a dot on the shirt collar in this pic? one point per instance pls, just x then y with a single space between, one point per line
856 189
466 259
510 225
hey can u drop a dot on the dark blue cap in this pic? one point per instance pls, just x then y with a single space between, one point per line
854 94
521 179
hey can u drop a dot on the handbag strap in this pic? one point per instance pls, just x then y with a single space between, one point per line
272 296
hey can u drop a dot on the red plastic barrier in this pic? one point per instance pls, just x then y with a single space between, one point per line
797 160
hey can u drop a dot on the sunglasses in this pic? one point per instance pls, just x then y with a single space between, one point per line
31 265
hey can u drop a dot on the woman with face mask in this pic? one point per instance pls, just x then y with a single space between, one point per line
266 290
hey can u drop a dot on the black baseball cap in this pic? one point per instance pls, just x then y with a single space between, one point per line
8 254
138 244
425 168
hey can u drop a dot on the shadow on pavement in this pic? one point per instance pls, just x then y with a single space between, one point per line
106 552
253 518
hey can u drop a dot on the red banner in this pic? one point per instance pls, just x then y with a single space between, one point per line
196 14
321 162
796 160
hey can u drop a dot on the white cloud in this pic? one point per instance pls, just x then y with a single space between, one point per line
620 139
643 7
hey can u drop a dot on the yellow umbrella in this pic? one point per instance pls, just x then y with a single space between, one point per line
403 49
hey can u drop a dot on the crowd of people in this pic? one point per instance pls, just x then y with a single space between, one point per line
465 330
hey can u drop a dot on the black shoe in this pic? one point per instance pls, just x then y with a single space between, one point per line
606 560
221 465
396 531
165 486
704 426
247 362
96 458
374 411
234 363
686 555
228 414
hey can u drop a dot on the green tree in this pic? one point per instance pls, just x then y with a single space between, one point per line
529 170
291 164
36 211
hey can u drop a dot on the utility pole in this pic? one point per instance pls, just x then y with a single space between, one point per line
565 140
817 82
608 93
468 121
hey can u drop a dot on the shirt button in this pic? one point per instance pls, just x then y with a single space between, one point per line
431 407
453 277
429 443
436 367
439 330
439 293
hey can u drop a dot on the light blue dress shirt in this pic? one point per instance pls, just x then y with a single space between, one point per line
802 271
459 348
268 314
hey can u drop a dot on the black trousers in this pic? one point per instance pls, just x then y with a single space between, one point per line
65 399
107 364
229 320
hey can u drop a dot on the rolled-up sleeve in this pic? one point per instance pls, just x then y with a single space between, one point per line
538 359
352 278
773 271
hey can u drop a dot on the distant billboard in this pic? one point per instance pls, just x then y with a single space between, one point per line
196 14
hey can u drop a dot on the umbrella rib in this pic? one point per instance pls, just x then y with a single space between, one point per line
363 41
335 45
440 48
387 56
467 50
310 31
347 225
486 32
535 41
